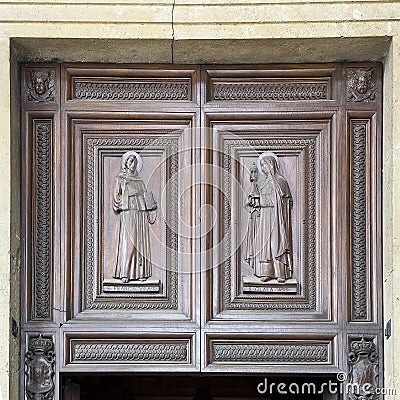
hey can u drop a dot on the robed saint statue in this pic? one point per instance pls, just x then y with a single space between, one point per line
135 208
268 243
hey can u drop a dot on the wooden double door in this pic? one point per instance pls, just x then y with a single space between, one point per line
215 219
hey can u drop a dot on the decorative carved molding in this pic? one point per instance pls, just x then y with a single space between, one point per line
147 303
359 223
129 352
361 84
273 144
42 223
282 353
39 369
276 91
40 85
363 370
131 90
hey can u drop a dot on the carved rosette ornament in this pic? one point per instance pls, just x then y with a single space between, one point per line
363 370
39 369
361 84
40 85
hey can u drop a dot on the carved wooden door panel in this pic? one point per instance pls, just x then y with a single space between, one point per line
200 218
294 262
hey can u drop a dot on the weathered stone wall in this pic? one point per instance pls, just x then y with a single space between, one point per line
198 31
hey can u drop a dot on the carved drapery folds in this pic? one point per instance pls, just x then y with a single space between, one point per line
39 369
363 370
361 84
40 85
42 220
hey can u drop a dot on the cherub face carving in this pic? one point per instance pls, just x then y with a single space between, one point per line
41 84
362 82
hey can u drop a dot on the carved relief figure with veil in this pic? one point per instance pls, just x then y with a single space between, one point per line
268 241
135 207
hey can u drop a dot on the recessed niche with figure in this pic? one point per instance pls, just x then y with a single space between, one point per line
136 210
131 247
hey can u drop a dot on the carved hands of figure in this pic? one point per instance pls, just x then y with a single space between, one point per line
41 85
361 85
39 369
136 211
269 237
254 196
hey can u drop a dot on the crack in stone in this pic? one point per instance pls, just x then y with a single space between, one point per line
173 32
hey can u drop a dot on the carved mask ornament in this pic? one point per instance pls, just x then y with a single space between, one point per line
41 85
361 85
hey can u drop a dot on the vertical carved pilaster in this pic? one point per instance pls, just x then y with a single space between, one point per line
42 221
363 370
39 369
359 224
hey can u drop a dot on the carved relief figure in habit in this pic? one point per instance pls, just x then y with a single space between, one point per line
269 234
135 208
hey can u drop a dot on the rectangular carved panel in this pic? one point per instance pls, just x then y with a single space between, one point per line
134 351
299 149
122 235
260 351
359 223
268 85
119 352
362 217
42 132
132 84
